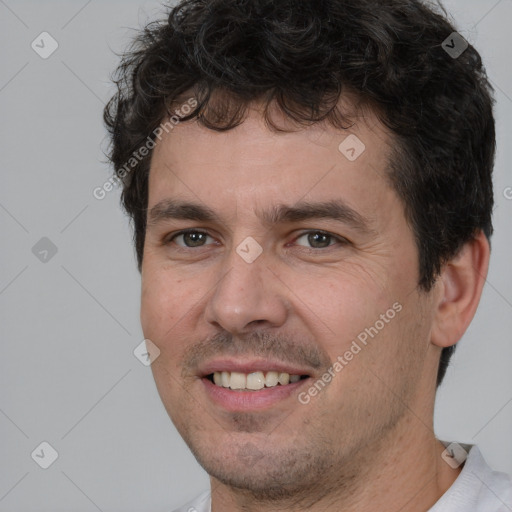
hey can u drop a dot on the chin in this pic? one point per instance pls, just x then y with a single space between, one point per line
266 471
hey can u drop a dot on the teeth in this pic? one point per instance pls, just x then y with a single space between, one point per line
284 378
253 381
271 379
238 381
217 378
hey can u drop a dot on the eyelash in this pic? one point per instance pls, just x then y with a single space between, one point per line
338 239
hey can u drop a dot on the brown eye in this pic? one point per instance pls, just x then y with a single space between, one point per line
318 239
190 238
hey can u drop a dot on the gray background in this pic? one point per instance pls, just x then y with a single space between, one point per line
69 325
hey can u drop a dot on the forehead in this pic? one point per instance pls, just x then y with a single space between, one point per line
252 166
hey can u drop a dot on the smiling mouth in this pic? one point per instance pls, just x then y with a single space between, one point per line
254 381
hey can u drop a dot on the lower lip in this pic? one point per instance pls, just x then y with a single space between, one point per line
233 400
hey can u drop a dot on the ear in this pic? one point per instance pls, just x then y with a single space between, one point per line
460 287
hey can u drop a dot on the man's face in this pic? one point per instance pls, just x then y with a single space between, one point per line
268 287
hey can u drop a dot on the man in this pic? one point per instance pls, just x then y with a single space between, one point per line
310 185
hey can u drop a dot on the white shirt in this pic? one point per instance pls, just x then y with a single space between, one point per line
477 489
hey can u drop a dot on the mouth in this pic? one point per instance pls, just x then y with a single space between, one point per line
251 385
255 381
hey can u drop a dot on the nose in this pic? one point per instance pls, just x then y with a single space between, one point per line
248 296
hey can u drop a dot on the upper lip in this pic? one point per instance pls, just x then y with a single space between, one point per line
249 366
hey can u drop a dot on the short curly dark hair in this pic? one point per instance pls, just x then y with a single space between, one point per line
302 55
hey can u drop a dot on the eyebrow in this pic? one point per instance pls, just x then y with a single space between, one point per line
337 210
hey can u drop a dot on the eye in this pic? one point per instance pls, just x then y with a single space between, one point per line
189 238
318 239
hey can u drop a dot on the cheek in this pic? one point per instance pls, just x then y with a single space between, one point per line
350 298
338 306
163 303
163 320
